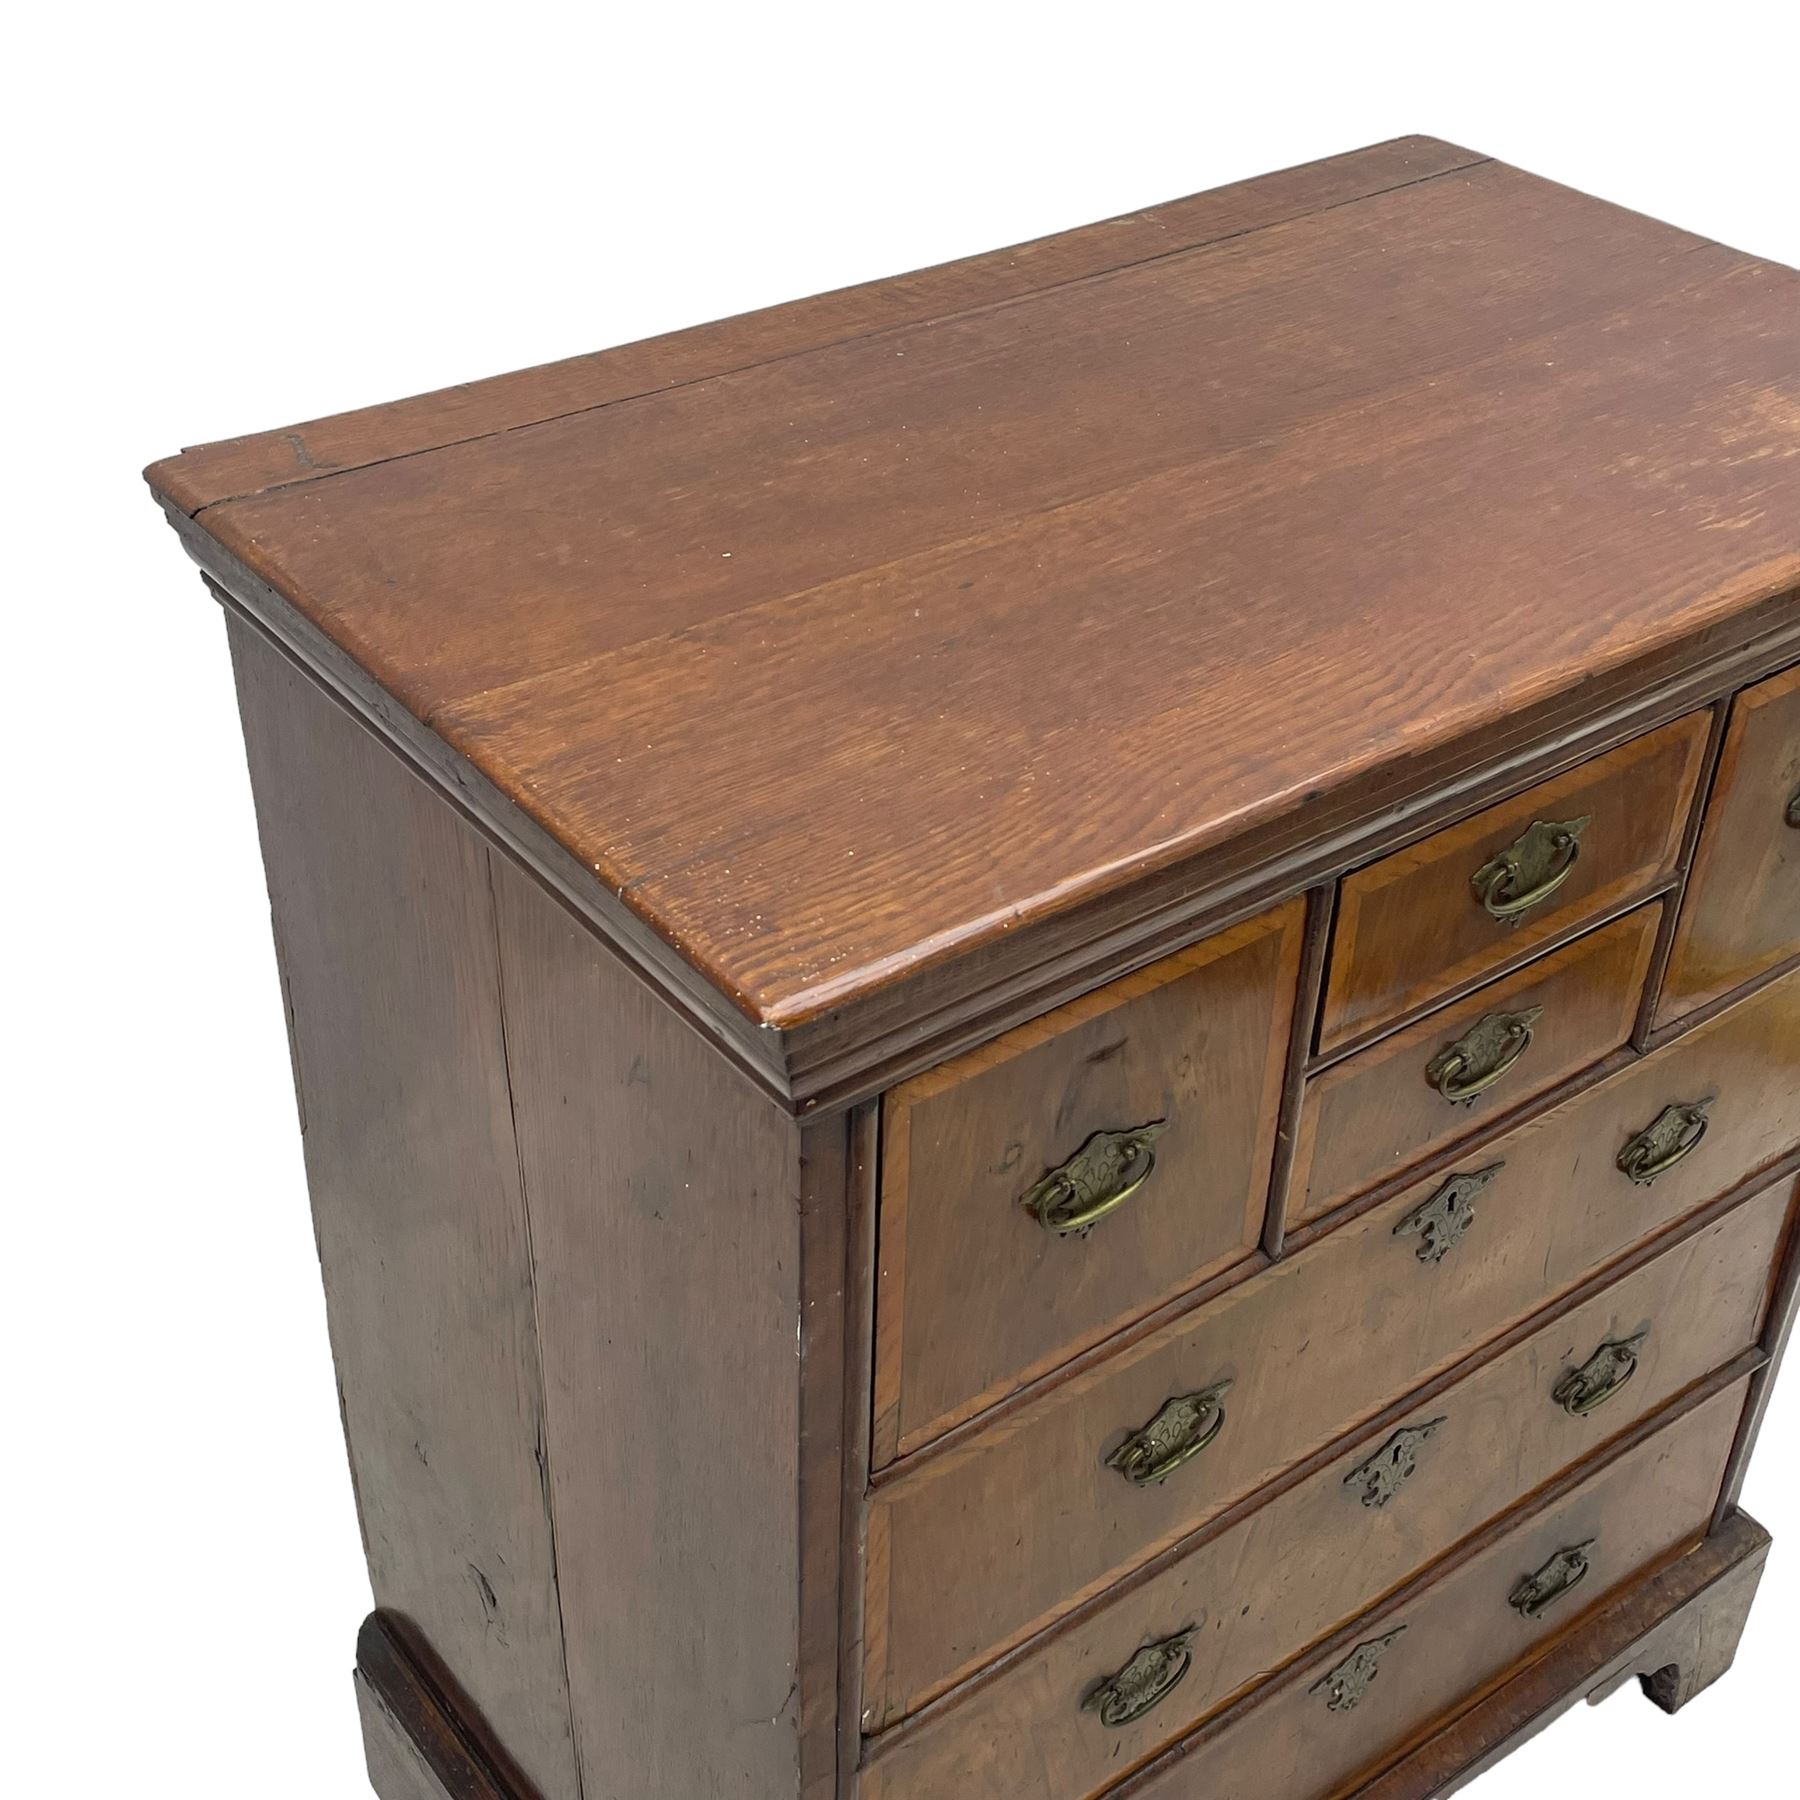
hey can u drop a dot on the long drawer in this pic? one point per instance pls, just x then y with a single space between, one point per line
978 1545
1328 1547
1340 1716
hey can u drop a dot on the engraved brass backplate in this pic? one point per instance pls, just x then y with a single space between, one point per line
1440 1223
1672 1136
1511 884
1485 1053
1345 1685
1383 1475
1564 1572
1144 1682
1184 1427
1582 1391
1098 1179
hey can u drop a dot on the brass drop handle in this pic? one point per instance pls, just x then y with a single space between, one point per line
1603 1375
1097 1180
1179 1432
1144 1683
1556 1580
1671 1137
1526 875
1483 1055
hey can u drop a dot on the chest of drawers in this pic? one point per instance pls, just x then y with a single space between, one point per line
1047 1017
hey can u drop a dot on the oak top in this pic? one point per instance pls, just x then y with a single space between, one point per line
844 637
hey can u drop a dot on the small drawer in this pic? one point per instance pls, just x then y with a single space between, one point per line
1052 1186
1481 896
1742 911
1339 1717
1328 1547
974 1547
1422 1088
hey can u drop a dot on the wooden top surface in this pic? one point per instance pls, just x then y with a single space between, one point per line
843 638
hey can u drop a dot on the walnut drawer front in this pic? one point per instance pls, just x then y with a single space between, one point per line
1742 910
1167 1082
1458 906
1367 1118
980 1543
1359 1524
1344 1713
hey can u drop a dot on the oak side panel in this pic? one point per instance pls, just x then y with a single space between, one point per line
383 925
666 1210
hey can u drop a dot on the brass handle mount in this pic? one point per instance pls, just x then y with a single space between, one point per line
1378 1479
1179 1432
1483 1055
1097 1180
1559 1577
1530 871
1670 1138
1144 1683
1441 1221
1344 1686
1585 1390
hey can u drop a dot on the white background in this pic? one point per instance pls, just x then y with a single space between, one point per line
233 217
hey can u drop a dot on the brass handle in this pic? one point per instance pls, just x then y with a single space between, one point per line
1511 884
1344 1686
1558 1578
1184 1427
1483 1055
1603 1375
1098 1179
1440 1223
1145 1682
1671 1137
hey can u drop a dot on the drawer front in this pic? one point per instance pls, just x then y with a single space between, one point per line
1328 1547
979 1544
1164 1086
1419 1090
1742 911
1329 1724
1458 907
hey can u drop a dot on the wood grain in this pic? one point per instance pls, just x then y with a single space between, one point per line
1411 925
1741 914
205 475
1371 1116
390 965
666 1215
975 1298
1314 1556
898 600
1686 1616
990 1539
1649 1505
